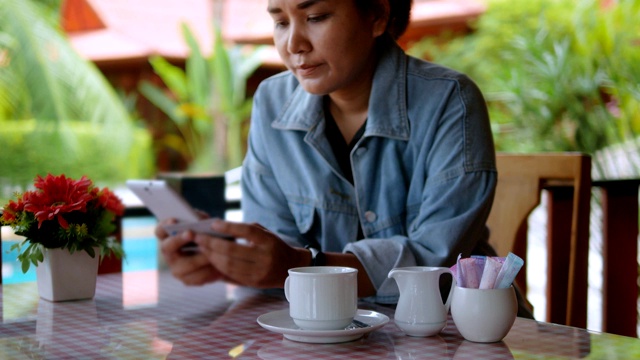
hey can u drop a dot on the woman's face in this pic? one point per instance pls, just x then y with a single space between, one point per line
327 44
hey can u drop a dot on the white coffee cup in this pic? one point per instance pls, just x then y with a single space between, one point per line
322 297
484 315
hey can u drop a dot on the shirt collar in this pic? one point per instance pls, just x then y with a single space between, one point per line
387 103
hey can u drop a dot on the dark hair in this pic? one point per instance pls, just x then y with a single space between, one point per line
399 13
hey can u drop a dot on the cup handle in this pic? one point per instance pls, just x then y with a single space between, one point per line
286 288
447 304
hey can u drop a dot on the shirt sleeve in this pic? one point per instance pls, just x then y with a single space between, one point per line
262 199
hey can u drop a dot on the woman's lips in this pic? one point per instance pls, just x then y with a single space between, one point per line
306 69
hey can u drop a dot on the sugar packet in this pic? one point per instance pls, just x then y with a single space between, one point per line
470 272
480 260
512 265
492 268
458 272
488 272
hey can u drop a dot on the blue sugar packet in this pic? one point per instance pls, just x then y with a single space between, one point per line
460 277
512 265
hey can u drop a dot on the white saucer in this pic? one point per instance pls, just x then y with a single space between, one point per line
280 322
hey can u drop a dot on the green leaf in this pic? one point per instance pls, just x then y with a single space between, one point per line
38 253
222 72
25 266
33 257
172 76
196 69
249 63
158 98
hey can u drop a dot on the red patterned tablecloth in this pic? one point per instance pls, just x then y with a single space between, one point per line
150 315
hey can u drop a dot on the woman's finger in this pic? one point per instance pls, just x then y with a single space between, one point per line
172 245
160 232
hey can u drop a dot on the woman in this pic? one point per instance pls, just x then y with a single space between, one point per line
358 156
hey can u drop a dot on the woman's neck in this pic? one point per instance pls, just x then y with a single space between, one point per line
349 116
349 106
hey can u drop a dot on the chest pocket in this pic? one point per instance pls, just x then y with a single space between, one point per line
303 215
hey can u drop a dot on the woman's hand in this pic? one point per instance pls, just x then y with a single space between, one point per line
261 261
191 268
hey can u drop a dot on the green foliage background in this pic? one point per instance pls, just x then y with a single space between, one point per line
558 75
58 113
29 149
207 102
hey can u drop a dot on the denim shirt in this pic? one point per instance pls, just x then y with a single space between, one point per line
424 171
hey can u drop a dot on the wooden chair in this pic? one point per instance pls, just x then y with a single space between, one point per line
567 178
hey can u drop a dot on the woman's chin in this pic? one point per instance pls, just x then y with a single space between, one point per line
314 86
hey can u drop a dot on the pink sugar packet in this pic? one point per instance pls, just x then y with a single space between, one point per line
480 260
490 274
470 272
454 270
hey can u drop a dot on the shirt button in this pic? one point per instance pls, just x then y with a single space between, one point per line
370 216
361 151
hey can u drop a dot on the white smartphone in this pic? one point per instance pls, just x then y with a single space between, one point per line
165 203
162 201
202 226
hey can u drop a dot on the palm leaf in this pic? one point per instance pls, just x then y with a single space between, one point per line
196 69
172 76
43 78
222 70
61 85
163 102
247 65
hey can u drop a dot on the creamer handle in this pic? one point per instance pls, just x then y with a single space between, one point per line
447 304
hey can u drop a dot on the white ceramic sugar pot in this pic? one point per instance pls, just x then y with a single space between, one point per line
420 310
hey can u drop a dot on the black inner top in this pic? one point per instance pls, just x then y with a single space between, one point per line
342 150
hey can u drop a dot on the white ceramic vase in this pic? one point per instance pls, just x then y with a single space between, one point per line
63 276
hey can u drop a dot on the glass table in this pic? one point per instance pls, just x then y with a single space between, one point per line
151 315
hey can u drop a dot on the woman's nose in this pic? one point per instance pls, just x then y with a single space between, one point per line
298 41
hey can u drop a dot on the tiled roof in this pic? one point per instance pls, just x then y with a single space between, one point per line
141 28
135 30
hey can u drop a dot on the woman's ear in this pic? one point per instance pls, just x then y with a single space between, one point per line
381 18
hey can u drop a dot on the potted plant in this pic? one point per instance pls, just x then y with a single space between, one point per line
206 101
66 223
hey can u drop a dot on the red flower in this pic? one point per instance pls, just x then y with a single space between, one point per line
70 214
56 196
11 211
108 200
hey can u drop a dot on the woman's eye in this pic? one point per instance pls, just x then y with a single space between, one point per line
317 18
280 23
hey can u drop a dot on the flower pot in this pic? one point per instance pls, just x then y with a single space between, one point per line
63 276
